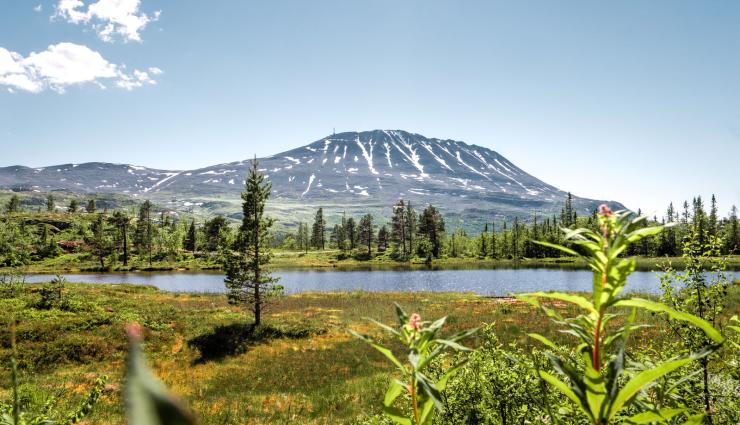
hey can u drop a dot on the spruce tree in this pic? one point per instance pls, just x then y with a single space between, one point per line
121 221
73 206
712 223
14 205
351 233
190 238
50 204
411 226
99 241
318 234
90 207
732 233
366 232
382 238
399 229
248 281
432 227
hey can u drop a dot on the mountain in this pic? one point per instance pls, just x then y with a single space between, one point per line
354 171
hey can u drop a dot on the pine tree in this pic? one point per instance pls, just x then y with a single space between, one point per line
144 231
432 227
366 232
14 205
732 233
382 238
398 228
190 239
50 204
90 207
351 233
73 206
99 242
712 229
318 235
121 221
216 233
483 243
248 281
494 255
411 226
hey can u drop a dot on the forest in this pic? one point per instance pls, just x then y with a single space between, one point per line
80 236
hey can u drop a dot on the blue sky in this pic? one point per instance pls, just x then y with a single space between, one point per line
634 101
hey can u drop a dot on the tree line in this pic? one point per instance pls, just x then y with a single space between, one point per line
113 238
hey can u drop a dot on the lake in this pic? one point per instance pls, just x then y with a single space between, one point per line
493 282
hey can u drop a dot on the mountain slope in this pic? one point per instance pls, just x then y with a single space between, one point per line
356 171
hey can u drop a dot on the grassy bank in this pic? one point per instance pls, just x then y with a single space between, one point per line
283 259
301 367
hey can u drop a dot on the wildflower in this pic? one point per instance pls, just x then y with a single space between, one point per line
605 210
134 332
415 321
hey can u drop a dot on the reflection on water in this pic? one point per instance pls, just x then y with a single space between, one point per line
495 282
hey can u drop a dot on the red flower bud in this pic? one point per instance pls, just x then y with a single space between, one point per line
415 321
605 210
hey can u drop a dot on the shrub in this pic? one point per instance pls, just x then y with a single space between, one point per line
597 381
424 348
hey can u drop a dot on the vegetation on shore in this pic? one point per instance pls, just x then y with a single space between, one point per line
204 349
74 237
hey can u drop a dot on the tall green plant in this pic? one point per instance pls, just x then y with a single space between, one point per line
693 291
420 338
596 381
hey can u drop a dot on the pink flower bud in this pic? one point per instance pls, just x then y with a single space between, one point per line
605 210
134 332
415 321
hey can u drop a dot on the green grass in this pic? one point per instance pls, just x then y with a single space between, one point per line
301 367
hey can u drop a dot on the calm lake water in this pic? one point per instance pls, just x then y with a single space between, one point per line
496 282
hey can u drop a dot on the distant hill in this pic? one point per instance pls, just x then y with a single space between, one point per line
355 171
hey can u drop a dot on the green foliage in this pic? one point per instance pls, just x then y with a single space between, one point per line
597 381
52 293
20 412
424 347
700 290
495 386
248 280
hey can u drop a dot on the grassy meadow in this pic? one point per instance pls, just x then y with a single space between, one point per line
301 367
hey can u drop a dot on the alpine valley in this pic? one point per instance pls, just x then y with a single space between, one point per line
356 172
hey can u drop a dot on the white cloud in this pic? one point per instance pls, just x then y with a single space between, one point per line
38 8
109 18
65 64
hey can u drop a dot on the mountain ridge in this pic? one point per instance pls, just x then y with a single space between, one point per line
350 170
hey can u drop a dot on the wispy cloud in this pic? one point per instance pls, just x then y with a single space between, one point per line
38 8
108 18
66 64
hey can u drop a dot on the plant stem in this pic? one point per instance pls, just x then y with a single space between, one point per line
414 405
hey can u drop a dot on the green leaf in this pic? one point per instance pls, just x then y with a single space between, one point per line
148 402
385 351
578 300
659 416
643 233
543 340
384 326
700 323
394 390
403 318
558 247
564 389
639 381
